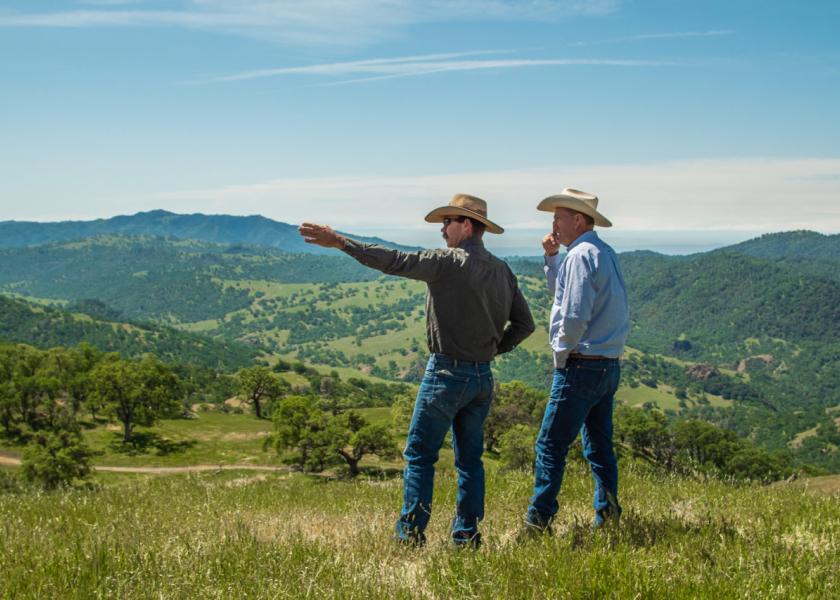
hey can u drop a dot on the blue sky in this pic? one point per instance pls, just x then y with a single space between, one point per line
717 120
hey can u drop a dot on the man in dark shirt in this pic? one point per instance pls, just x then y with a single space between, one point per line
474 311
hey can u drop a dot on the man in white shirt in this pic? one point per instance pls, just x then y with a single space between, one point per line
588 326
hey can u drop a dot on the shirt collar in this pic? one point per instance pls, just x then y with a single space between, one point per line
589 236
471 242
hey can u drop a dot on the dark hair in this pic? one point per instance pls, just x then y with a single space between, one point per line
478 226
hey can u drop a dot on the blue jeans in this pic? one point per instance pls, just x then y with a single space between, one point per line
581 400
456 395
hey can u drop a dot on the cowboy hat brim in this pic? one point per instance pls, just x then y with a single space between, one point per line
564 201
437 215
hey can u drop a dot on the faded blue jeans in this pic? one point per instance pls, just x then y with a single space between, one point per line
581 399
456 395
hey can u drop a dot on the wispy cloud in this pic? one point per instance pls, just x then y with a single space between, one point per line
310 22
426 64
428 68
374 65
656 36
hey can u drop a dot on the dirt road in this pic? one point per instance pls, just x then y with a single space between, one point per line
12 461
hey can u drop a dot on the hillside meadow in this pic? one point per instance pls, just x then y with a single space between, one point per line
713 333
286 535
209 437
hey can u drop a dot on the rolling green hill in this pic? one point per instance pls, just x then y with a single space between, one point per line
153 278
714 302
806 252
222 229
790 244
45 327
746 342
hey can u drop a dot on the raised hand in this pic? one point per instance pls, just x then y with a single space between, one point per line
551 244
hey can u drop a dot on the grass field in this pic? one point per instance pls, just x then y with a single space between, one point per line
245 535
387 346
296 297
640 395
395 344
209 438
662 395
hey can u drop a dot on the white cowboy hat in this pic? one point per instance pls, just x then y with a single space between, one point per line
582 202
468 206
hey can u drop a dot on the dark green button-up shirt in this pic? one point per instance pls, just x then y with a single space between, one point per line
474 307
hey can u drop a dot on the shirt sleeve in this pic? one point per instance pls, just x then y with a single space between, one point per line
521 323
552 266
426 265
573 308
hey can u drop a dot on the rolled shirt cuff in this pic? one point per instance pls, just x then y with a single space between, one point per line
553 261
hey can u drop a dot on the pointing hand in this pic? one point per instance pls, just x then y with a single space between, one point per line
321 235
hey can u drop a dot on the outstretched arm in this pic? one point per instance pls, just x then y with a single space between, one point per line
425 266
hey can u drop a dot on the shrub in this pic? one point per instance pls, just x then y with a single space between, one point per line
55 459
516 447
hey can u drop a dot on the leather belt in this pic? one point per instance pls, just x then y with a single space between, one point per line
588 356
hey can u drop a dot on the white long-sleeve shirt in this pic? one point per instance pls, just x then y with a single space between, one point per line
590 314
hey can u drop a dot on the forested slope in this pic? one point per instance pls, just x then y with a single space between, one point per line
716 301
45 327
761 336
154 278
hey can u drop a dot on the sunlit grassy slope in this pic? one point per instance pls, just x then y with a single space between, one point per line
245 535
394 345
209 438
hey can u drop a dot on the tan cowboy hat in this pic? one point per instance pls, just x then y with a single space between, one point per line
582 202
468 206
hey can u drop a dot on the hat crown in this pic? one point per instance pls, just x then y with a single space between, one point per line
464 205
590 200
576 200
476 205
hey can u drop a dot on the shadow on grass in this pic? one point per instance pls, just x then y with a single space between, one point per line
146 443
92 423
381 472
638 531
14 437
342 474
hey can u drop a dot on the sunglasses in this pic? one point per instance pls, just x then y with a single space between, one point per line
447 220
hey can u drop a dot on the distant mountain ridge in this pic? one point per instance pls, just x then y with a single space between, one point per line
808 253
220 229
256 230
789 245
